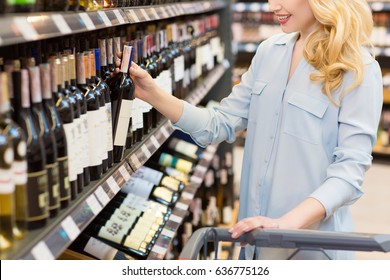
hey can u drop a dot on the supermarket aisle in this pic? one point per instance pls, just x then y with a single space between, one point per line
371 213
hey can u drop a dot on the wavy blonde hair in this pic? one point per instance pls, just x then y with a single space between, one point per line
335 47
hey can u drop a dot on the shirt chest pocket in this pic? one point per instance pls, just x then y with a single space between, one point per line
256 92
303 117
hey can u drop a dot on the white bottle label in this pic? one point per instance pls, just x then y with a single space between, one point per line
149 174
7 185
199 61
123 122
100 250
20 172
85 146
71 145
111 234
109 127
93 138
79 145
138 121
103 133
179 68
138 187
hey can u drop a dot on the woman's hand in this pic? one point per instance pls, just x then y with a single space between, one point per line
249 224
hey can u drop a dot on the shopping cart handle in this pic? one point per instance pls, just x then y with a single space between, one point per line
298 239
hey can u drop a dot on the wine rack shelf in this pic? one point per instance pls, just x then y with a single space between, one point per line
48 243
21 28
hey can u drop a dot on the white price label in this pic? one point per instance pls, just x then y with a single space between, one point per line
165 132
182 206
125 174
201 168
42 252
134 159
211 149
61 24
175 219
187 195
106 20
165 14
208 156
196 179
159 250
94 204
155 13
102 196
146 151
113 184
155 142
87 21
146 16
25 28
134 16
119 16
168 233
70 227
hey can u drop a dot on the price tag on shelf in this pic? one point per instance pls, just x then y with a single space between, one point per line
145 15
70 227
165 132
125 174
187 195
134 16
164 12
155 14
94 204
154 141
182 206
106 20
61 24
211 149
201 168
87 21
196 179
25 28
119 16
146 151
175 219
42 252
208 156
168 233
102 196
113 184
134 159
159 250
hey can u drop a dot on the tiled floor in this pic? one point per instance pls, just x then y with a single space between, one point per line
371 213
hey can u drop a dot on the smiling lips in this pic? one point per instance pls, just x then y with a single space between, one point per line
283 19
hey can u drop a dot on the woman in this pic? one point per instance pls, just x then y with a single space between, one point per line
311 102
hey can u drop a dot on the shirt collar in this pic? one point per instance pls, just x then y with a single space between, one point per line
287 39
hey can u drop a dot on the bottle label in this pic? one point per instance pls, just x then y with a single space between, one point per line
171 183
111 235
110 54
224 176
133 243
149 174
179 175
138 203
79 145
71 145
179 68
121 228
123 122
103 52
20 172
117 48
129 221
84 141
109 127
126 58
163 193
193 72
199 62
63 170
187 78
93 136
100 250
137 115
7 185
80 69
227 214
184 165
138 187
53 185
103 133
186 148
38 198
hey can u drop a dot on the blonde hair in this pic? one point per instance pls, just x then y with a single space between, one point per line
335 47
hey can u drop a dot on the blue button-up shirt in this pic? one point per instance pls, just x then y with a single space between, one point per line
298 143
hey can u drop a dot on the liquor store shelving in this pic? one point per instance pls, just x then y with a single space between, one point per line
20 28
49 242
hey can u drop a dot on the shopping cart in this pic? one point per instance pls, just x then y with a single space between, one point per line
299 240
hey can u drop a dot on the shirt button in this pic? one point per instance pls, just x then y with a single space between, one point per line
271 137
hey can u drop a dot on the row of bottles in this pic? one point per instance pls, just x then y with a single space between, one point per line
64 95
28 6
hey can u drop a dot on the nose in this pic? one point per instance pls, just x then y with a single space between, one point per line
274 5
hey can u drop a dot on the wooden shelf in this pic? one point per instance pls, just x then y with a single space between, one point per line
386 96
384 151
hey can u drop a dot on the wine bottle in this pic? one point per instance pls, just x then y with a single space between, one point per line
37 185
59 133
46 131
185 149
84 119
19 164
66 114
169 160
7 185
93 114
159 178
148 190
122 94
90 246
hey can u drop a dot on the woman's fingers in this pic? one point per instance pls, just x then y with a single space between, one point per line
250 224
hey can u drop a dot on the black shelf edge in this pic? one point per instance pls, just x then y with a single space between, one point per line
23 28
49 242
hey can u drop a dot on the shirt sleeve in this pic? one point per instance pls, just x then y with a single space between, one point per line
221 123
359 117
